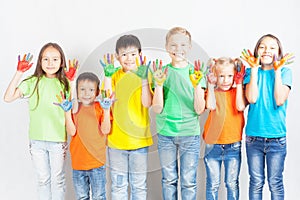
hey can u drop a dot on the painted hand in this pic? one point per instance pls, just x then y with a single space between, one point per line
108 65
240 73
197 73
63 102
159 74
142 68
250 59
106 100
287 59
211 78
71 71
24 64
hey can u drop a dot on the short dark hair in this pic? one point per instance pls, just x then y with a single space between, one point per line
128 41
88 76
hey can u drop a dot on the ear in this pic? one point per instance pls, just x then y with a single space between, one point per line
116 55
98 91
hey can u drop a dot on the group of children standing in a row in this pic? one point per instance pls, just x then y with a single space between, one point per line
178 93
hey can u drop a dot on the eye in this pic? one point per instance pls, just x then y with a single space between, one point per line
55 59
230 76
133 54
45 59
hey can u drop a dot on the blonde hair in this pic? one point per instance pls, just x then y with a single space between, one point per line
223 61
177 30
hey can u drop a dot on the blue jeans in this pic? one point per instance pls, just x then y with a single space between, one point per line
185 148
95 179
128 167
270 152
215 155
48 160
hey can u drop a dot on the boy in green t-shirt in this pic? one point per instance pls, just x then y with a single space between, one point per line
178 101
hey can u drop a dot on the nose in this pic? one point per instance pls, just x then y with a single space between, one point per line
50 62
86 93
130 57
226 79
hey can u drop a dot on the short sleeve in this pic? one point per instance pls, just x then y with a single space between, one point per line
26 86
286 76
247 76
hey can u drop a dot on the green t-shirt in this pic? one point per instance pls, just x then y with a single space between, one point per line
47 121
178 117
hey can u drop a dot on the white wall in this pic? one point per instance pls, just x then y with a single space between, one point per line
221 28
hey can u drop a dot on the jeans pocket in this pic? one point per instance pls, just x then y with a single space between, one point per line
236 146
281 141
250 140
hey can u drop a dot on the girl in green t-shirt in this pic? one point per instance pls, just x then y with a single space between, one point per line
47 132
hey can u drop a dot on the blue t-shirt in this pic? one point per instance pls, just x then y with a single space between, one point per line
265 118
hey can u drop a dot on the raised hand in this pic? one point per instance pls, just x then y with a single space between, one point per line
211 78
240 73
197 73
287 59
106 99
142 68
250 59
71 71
159 74
63 102
108 65
24 64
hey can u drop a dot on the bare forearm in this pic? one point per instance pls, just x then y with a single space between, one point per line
158 99
146 94
107 83
12 93
240 98
251 87
210 98
106 125
199 102
70 126
281 91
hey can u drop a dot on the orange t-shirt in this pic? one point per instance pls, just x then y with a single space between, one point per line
225 124
88 145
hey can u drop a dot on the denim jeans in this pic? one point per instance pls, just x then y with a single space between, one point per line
270 152
94 179
128 167
186 149
215 155
48 160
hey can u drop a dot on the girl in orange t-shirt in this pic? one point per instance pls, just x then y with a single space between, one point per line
224 126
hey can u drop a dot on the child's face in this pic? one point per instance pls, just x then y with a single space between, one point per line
225 75
87 91
51 61
267 49
178 46
127 58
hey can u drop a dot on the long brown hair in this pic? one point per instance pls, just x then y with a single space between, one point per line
60 74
